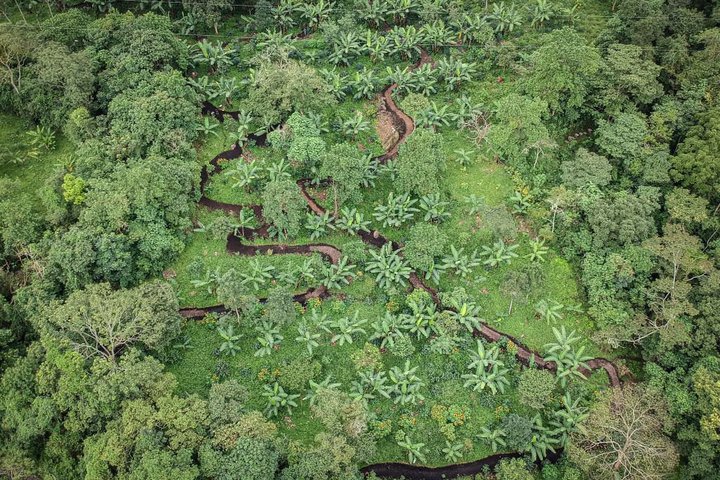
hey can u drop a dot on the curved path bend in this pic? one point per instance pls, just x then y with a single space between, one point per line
405 126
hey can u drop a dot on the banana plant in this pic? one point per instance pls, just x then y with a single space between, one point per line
495 437
396 211
550 311
345 328
541 12
244 175
245 219
278 170
493 378
389 268
452 451
278 399
345 47
352 221
307 337
455 72
372 12
335 276
229 345
284 14
376 45
498 254
210 281
370 385
434 208
466 314
434 117
505 18
257 274
415 451
214 55
387 330
426 78
568 420
422 321
315 388
538 250
336 82
208 127
404 79
269 338
460 263
363 83
406 385
318 225
437 35
355 125
541 440
406 41
569 359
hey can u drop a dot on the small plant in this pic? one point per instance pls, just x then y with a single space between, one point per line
278 399
42 137
550 311
496 438
487 370
538 250
452 451
475 204
211 280
465 158
370 384
466 314
519 202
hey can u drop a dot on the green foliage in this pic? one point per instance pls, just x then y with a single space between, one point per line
420 163
283 207
536 388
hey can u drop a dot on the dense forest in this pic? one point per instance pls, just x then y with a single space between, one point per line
345 239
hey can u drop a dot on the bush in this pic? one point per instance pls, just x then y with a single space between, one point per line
513 469
425 242
518 430
536 388
369 358
295 376
403 347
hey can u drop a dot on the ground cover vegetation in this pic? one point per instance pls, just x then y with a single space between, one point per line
334 239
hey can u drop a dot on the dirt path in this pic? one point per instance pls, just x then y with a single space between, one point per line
404 126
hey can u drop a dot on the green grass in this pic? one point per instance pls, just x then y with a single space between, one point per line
33 174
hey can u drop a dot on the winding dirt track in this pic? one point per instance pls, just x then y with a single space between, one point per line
405 126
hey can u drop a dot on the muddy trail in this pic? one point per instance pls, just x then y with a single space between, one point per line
404 125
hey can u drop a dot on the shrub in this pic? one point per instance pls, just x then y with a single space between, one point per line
403 347
295 375
536 388
424 244
369 358
519 431
513 469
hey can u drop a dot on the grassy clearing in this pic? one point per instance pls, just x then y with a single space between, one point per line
33 173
